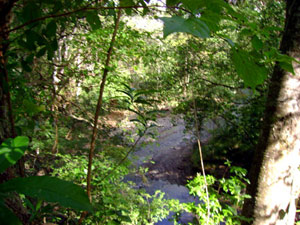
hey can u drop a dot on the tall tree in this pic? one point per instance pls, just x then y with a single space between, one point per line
277 156
6 120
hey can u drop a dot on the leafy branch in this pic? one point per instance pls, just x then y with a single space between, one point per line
87 8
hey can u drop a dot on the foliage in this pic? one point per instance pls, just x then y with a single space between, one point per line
193 26
226 197
139 102
212 18
54 66
116 201
237 131
46 188
11 151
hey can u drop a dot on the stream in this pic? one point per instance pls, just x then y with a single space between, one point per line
170 154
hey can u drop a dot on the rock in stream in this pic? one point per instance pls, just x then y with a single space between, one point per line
170 153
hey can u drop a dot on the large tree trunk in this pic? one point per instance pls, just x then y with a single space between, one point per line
6 117
6 125
277 156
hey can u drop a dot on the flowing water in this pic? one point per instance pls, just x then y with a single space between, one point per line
171 154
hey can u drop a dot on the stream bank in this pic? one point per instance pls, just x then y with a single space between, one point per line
168 159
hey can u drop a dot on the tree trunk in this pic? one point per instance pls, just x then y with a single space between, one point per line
277 156
7 129
6 122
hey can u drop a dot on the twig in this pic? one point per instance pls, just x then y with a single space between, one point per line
216 84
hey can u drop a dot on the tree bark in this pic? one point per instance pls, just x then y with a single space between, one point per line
7 129
6 120
274 175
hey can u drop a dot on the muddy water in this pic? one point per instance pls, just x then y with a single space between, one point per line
171 154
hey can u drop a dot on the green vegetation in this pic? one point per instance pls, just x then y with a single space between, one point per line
73 71
225 197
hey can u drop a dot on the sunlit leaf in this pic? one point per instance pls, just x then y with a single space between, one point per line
11 150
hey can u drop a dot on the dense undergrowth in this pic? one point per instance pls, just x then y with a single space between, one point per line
55 68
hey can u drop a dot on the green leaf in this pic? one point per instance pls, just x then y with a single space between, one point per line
192 26
142 101
50 189
50 52
193 6
113 222
227 39
256 43
54 44
230 42
125 218
212 20
11 150
128 88
31 11
31 108
172 2
51 29
41 52
93 20
138 121
30 40
285 62
29 59
146 9
144 92
37 38
136 112
7 217
287 66
127 3
127 93
25 66
57 6
247 68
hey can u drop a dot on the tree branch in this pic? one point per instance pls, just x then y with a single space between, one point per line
88 9
216 84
